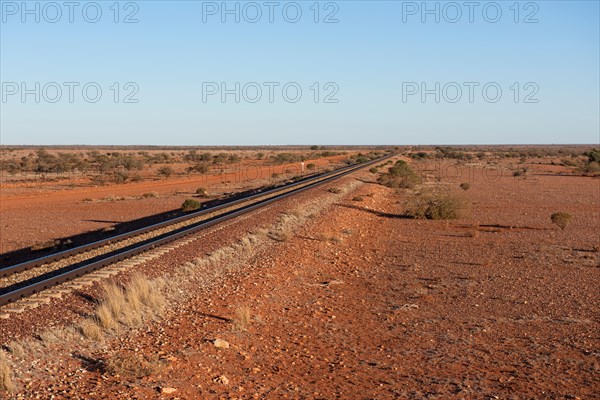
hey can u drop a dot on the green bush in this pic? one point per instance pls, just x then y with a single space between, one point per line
399 176
435 206
190 205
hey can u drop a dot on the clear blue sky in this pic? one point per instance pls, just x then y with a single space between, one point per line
374 55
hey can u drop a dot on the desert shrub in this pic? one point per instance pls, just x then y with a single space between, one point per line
435 205
357 198
334 190
136 178
165 171
201 168
465 186
593 155
592 165
311 166
120 176
201 192
98 180
374 170
132 366
568 162
150 195
592 168
399 176
561 219
520 172
282 158
190 205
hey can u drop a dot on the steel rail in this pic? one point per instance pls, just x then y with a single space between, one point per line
171 236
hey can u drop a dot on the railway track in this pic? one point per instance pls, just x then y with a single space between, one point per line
24 279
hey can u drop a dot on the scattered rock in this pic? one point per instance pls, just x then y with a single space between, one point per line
168 390
222 380
221 344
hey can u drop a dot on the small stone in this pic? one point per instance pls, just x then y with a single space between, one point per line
168 390
220 344
222 380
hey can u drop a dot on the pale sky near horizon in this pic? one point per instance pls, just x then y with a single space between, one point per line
304 72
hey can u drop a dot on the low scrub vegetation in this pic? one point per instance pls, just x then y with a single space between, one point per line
243 317
190 205
592 165
165 171
520 172
561 219
6 382
124 306
324 237
399 176
435 205
132 366
465 186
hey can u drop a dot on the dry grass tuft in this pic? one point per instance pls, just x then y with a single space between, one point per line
104 317
16 349
243 317
48 337
6 382
132 366
89 329
561 219
127 306
113 298
280 236
323 237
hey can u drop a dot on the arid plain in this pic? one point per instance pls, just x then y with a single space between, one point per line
437 273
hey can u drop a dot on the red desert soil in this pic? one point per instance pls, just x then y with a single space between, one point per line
499 304
43 214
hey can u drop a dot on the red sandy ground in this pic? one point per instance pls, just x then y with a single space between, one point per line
399 308
33 215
